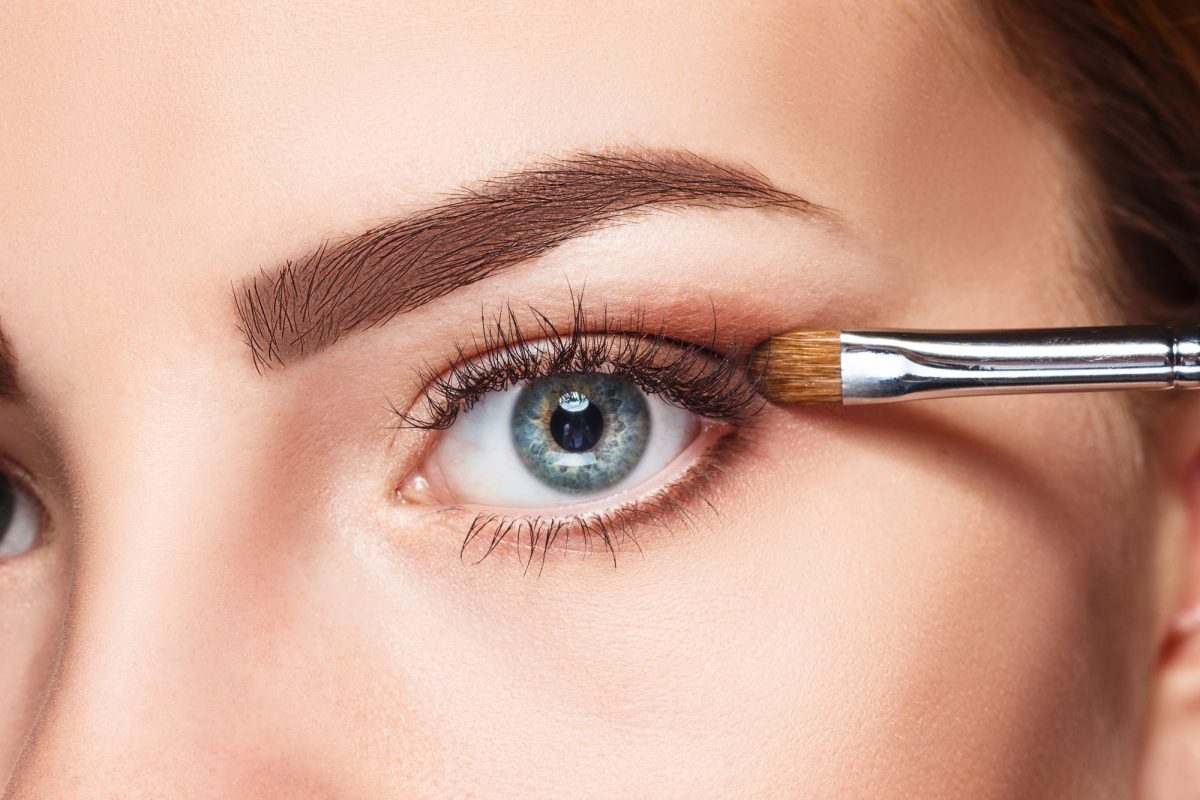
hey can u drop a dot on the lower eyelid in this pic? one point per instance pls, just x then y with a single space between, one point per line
680 502
710 433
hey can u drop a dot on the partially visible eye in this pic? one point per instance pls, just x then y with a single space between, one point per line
560 440
20 519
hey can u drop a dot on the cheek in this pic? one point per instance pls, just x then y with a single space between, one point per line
952 574
894 604
32 592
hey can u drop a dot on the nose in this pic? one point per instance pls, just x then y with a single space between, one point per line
186 667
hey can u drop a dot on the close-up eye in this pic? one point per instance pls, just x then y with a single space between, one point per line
560 440
595 430
20 519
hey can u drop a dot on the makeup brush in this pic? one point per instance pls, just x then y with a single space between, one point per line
854 367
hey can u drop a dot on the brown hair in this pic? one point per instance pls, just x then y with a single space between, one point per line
1124 76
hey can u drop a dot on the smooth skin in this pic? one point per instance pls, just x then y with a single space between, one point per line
979 598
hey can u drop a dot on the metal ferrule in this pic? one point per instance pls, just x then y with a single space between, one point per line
885 366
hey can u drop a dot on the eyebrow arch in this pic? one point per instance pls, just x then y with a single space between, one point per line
307 304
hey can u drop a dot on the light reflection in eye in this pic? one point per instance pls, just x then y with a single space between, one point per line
560 440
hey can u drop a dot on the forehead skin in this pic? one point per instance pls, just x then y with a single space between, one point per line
247 121
890 606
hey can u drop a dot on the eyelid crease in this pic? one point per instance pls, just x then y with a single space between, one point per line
711 382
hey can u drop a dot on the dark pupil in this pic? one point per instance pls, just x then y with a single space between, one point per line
8 505
576 424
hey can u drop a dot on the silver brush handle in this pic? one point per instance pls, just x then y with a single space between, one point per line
885 366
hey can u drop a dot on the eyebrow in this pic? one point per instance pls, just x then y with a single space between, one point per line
9 388
307 304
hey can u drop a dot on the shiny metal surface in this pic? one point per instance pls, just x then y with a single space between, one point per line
886 366
1187 359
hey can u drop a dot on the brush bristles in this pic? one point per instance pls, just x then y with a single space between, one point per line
800 367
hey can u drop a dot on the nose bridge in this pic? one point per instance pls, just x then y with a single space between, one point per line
159 675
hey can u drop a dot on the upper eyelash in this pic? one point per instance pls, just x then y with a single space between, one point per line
704 380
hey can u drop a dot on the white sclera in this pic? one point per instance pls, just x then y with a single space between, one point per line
479 463
21 535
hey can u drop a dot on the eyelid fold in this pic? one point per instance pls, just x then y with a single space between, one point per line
716 384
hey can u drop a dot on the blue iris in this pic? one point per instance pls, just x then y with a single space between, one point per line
581 432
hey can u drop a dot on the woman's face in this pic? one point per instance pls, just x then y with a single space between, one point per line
248 583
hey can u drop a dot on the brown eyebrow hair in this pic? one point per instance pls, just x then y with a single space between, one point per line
307 304
8 370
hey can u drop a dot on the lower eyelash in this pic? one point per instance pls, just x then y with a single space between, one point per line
682 501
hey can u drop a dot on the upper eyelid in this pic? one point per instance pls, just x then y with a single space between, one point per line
718 384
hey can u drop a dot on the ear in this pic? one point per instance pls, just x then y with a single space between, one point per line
1170 766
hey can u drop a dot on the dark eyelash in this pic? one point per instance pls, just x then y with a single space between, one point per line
706 380
676 503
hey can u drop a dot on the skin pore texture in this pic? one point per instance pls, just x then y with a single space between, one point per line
953 599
